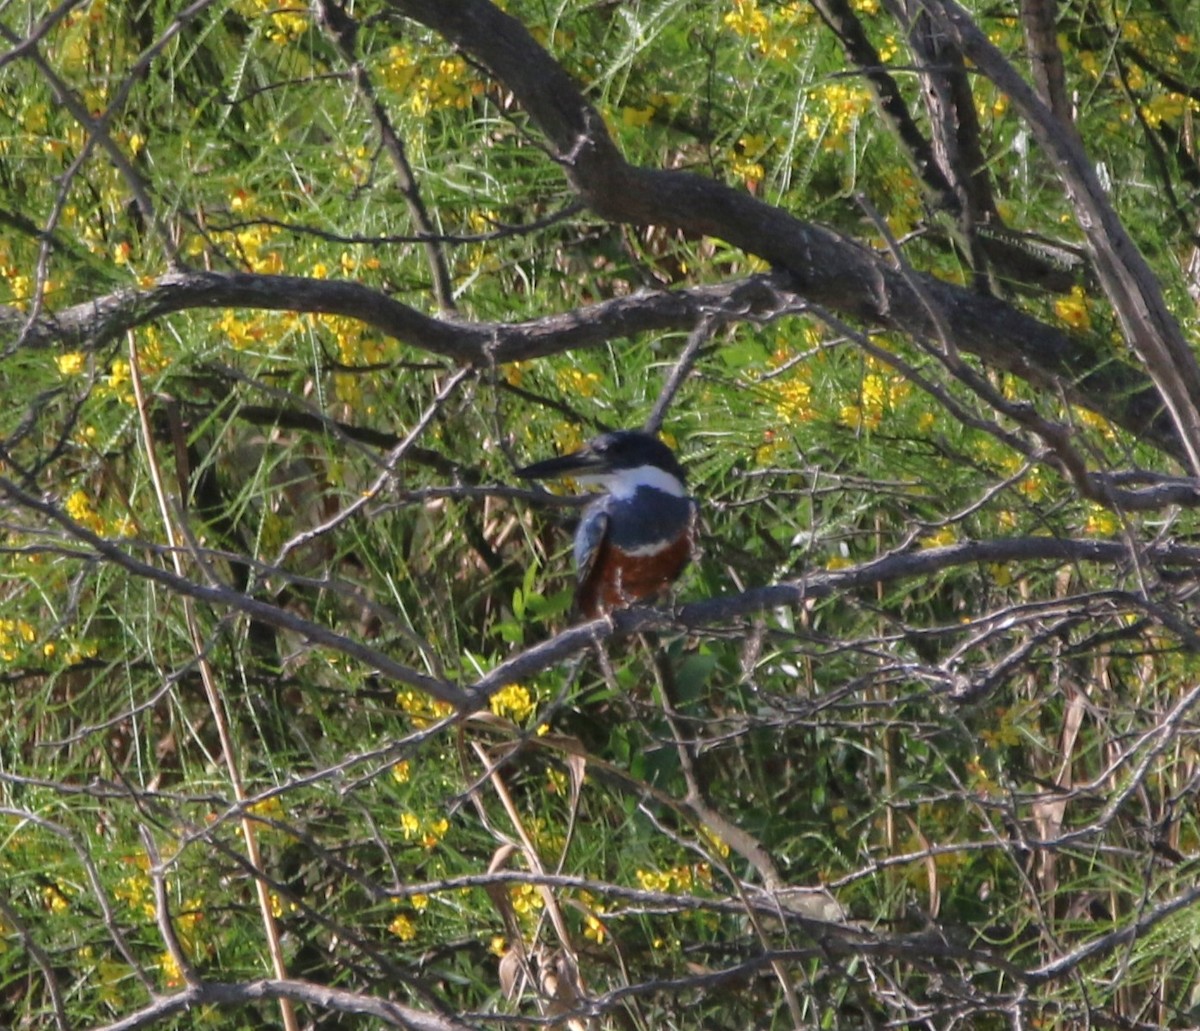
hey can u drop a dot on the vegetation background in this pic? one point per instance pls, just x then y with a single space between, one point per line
298 729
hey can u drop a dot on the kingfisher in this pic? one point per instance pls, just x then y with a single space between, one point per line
636 538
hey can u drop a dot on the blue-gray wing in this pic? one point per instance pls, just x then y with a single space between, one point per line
589 538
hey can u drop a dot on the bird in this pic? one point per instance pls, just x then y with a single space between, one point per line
635 539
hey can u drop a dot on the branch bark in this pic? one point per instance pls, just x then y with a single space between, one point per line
992 330
829 268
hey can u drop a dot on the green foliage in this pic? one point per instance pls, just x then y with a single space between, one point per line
1000 750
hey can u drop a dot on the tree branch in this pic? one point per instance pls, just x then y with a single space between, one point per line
829 269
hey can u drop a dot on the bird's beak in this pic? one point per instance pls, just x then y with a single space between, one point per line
582 463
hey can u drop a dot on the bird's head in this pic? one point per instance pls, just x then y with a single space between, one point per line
619 462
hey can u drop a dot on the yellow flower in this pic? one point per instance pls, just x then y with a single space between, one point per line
526 899
1100 522
1001 573
793 397
434 832
837 109
54 900
172 975
280 906
400 771
940 539
1095 421
79 508
403 928
1073 310
677 878
1034 485
593 929
578 383
71 363
270 808
513 700
746 19
421 709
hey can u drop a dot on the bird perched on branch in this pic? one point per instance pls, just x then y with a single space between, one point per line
636 538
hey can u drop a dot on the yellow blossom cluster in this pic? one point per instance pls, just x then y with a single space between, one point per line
982 781
402 927
356 343
676 879
1169 107
252 245
280 906
110 973
135 890
877 395
118 383
526 899
593 928
421 710
1094 421
22 288
428 832
943 537
514 372
793 396
1002 730
71 364
15 634
287 20
77 651
513 701
747 160
477 256
168 967
577 383
54 899
79 507
73 46
1101 522
567 437
836 109
773 35
241 332
547 835
268 809
1072 310
447 83
556 781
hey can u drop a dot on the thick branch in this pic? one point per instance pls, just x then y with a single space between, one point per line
1136 295
815 586
829 268
96 322
997 333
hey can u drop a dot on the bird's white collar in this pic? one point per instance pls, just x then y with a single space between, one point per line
624 483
